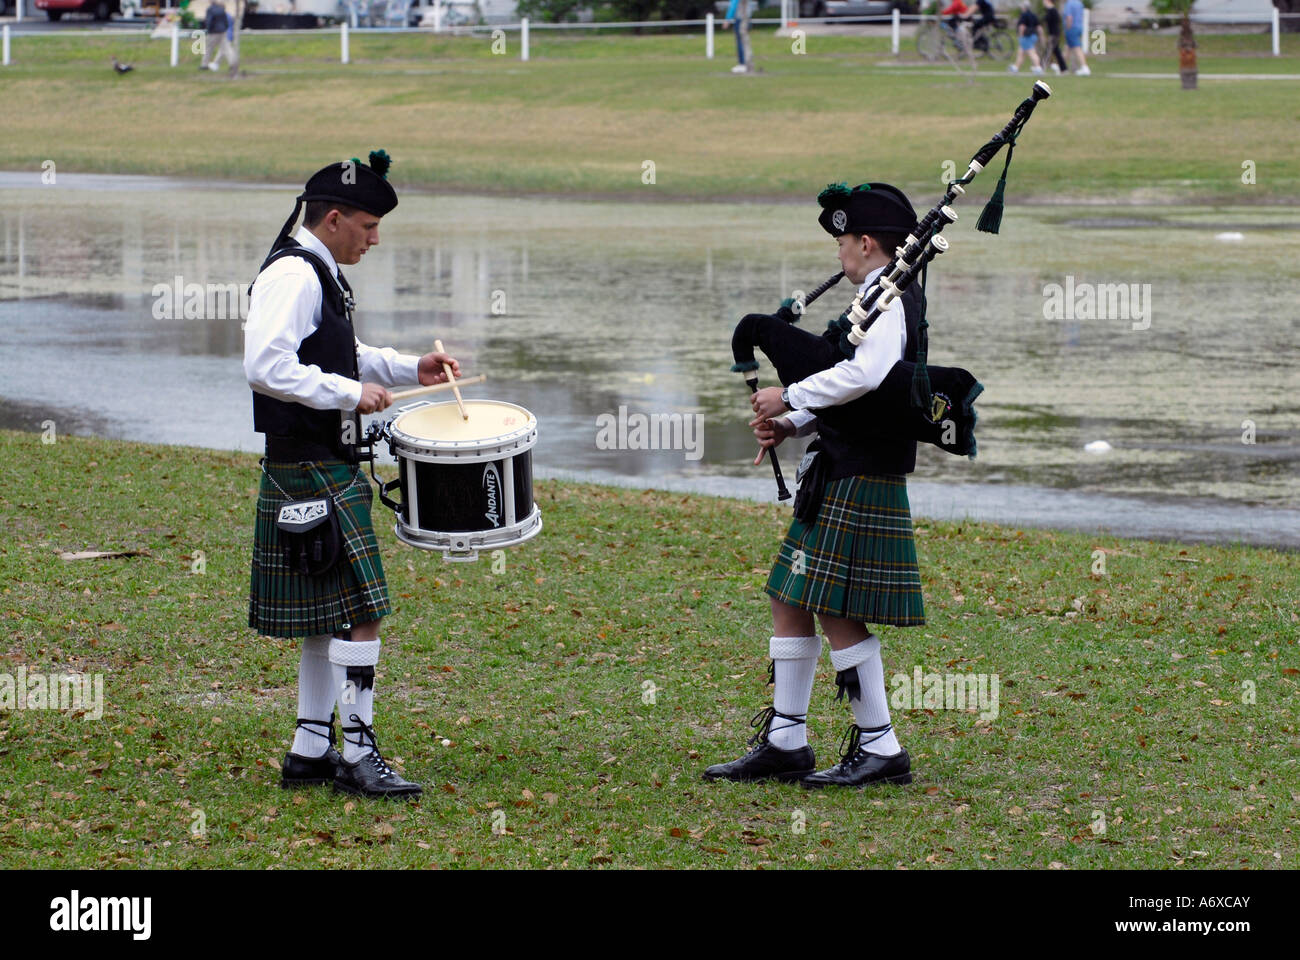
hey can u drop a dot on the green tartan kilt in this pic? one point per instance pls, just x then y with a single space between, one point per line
858 557
284 603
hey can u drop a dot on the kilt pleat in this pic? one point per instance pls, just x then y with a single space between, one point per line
285 603
857 559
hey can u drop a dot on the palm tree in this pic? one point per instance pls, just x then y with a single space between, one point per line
1186 42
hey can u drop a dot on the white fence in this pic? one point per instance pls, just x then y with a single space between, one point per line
524 28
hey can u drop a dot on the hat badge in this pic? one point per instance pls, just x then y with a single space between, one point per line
839 219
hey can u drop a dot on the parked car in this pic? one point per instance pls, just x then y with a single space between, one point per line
101 9
854 8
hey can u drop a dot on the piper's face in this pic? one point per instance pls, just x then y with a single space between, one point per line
853 251
352 235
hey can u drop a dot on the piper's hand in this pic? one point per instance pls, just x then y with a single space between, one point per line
431 371
767 404
770 433
374 398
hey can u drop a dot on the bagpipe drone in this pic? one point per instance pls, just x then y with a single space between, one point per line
916 401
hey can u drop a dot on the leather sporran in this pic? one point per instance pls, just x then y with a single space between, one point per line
811 478
310 536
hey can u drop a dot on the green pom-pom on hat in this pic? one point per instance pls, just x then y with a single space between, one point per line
380 161
834 195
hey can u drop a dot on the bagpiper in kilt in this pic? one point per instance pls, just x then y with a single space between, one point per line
849 558
316 568
857 559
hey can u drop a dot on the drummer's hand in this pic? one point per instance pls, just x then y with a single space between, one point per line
374 398
767 404
431 371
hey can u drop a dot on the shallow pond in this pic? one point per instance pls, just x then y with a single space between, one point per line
577 309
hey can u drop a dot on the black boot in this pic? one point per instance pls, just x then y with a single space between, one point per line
371 776
857 767
764 761
300 771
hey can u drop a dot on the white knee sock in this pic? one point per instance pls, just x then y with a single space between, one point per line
315 698
353 663
794 662
871 706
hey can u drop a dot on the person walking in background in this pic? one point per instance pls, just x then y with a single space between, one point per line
1073 13
738 14
216 27
1052 25
1027 30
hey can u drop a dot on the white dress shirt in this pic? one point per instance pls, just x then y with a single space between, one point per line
849 379
284 310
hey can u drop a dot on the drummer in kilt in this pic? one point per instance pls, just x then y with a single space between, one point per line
316 570
849 557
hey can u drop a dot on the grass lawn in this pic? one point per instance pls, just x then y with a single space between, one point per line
583 689
586 113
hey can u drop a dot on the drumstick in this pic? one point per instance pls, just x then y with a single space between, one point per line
435 388
437 345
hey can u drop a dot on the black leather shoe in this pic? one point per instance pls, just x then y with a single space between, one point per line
300 771
764 761
858 768
371 776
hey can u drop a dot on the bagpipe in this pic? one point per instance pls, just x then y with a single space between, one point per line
916 401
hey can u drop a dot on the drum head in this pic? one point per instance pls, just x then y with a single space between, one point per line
440 425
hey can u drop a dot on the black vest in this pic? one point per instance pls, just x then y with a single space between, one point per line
844 433
316 434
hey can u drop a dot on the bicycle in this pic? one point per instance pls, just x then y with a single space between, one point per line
935 38
994 41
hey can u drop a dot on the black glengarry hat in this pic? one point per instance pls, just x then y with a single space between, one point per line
867 208
349 183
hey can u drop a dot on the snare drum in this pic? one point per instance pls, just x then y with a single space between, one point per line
467 485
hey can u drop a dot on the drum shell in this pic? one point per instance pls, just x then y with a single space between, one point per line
462 496
457 497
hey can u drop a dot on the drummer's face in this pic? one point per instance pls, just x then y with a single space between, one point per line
348 236
356 233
